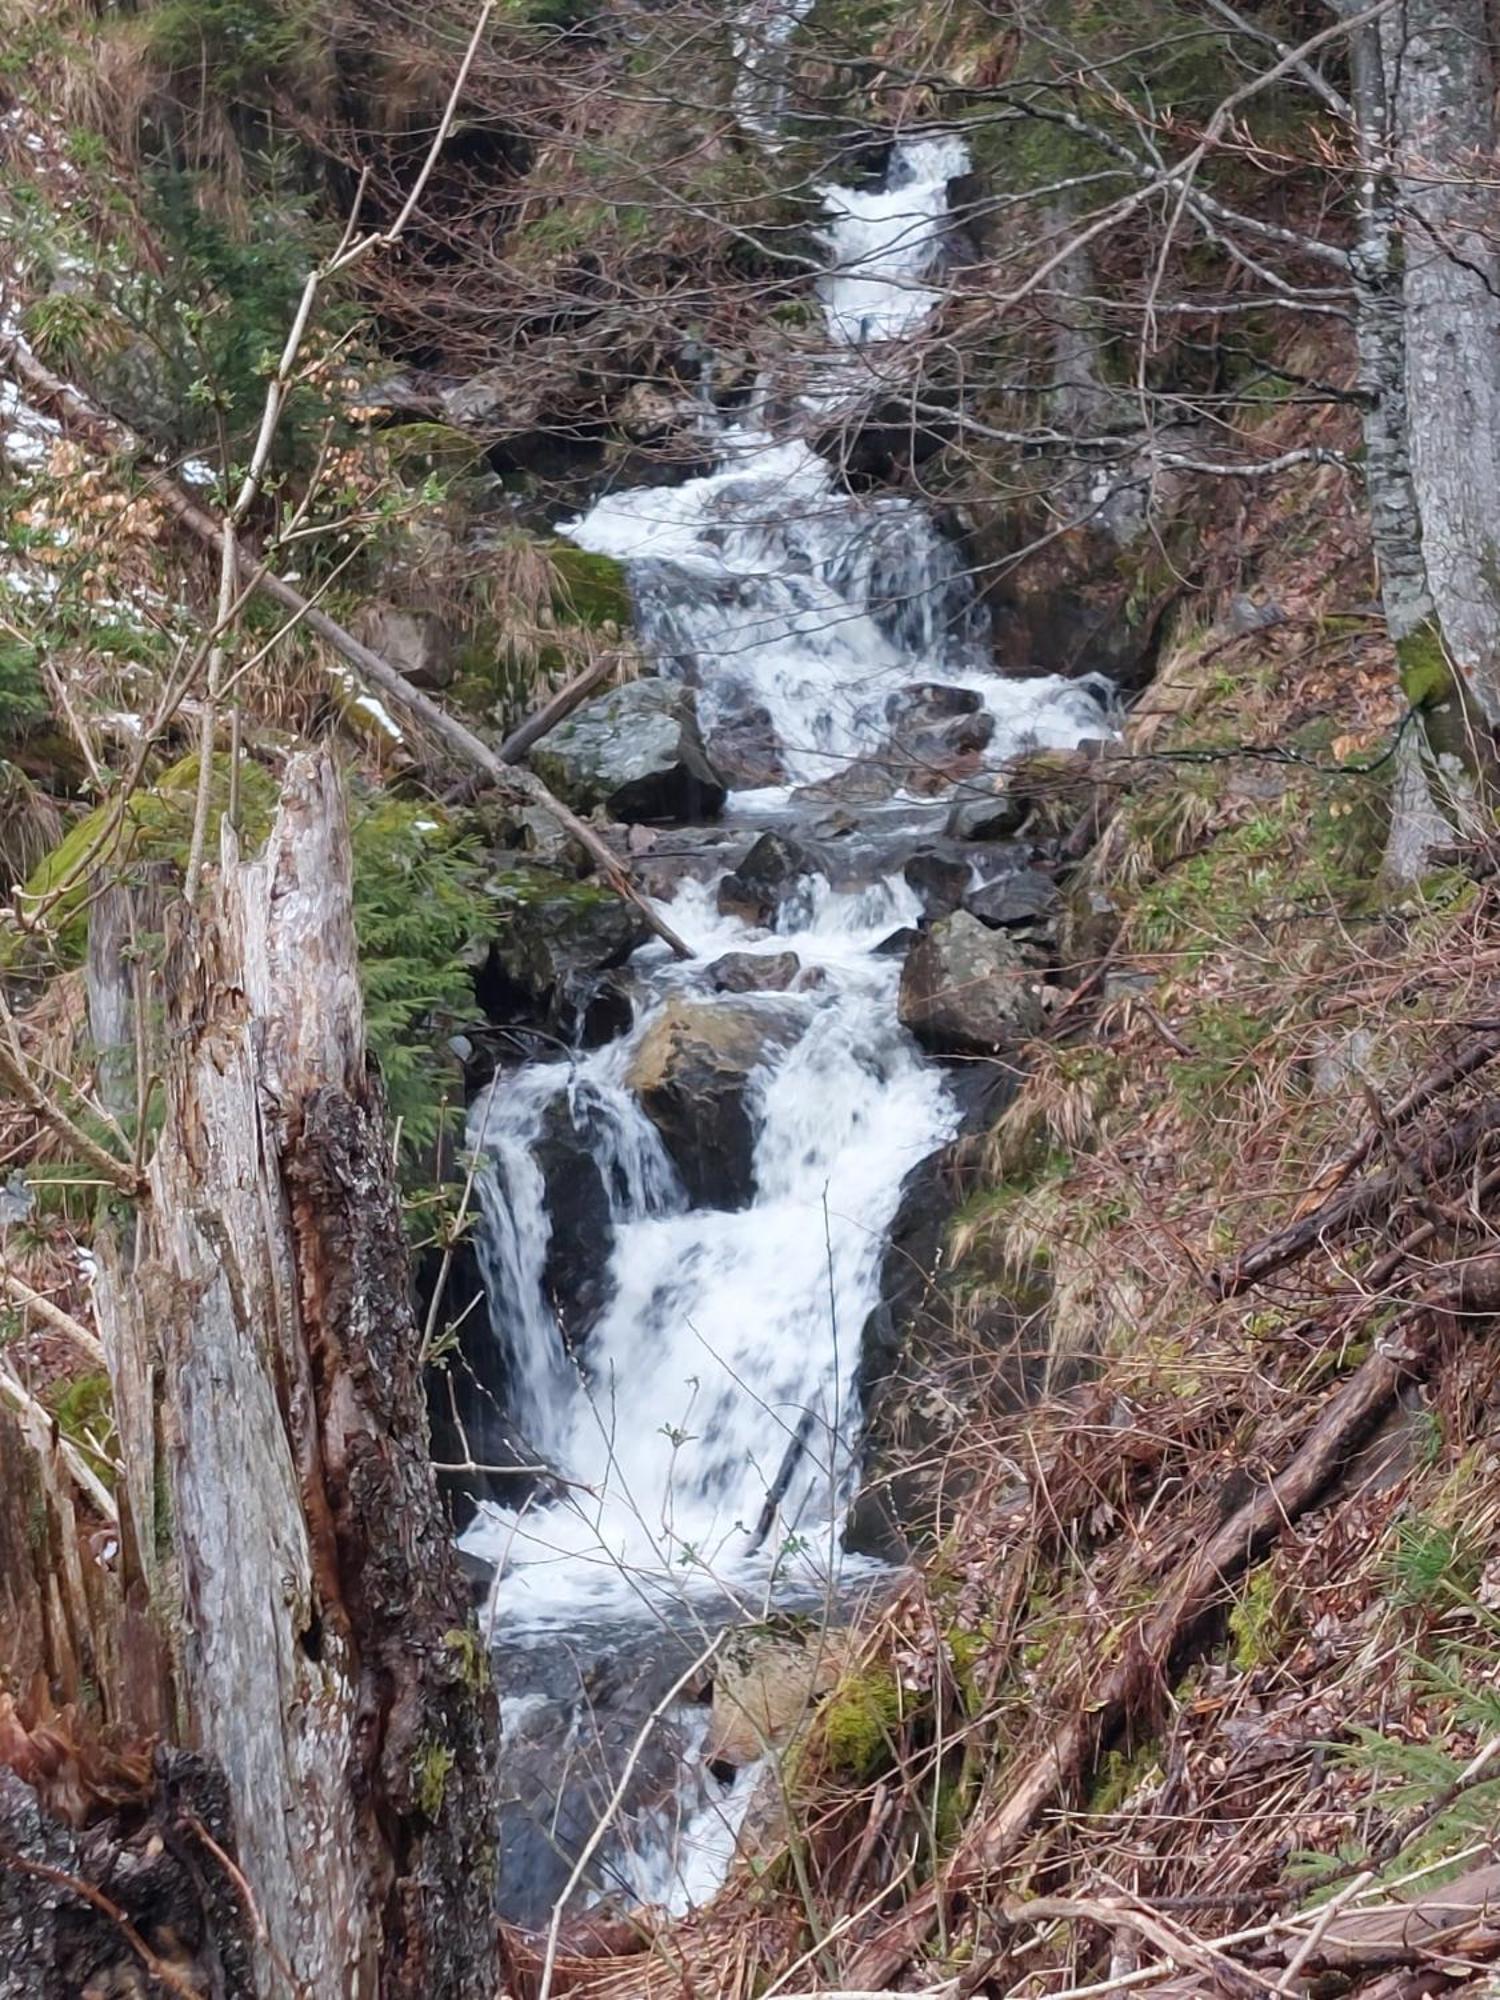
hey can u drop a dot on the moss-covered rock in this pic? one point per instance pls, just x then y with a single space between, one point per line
858 1723
588 589
557 936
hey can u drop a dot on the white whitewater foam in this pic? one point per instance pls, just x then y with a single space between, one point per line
707 1439
732 1338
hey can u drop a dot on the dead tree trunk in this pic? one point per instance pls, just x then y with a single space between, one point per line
279 1505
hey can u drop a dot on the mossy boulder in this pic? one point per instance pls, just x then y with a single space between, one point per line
559 936
635 751
695 1073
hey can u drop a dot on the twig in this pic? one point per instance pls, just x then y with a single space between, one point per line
15 1072
1441 1155
31 1300
601 1825
167 1975
80 1471
555 710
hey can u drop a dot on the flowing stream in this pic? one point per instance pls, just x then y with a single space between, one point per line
707 1433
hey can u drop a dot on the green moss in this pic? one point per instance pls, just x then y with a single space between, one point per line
858 1722
155 828
1121 1774
1256 1625
84 1410
526 888
1422 663
588 589
472 1660
434 1762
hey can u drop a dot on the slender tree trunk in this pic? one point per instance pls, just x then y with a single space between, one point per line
1417 826
1440 81
279 1504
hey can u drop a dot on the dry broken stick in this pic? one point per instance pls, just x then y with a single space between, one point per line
1440 1155
107 436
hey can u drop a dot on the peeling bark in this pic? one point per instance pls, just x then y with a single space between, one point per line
283 1515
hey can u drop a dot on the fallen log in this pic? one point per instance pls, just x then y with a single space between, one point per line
112 439
1450 1149
1064 1759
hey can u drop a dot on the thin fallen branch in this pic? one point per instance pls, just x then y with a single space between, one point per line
104 434
42 1428
560 706
16 1073
1441 1155
29 1299
1062 1761
1471 1057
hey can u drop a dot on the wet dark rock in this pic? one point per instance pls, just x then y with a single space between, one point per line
986 807
746 752
941 883
927 702
898 944
575 1276
772 874
663 858
559 937
694 1073
931 756
969 990
635 751
473 1439
1026 897
868 782
749 972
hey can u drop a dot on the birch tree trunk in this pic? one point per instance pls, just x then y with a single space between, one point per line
279 1505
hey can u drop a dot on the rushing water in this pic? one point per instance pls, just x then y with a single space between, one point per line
707 1432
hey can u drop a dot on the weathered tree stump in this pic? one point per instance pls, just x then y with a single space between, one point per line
278 1510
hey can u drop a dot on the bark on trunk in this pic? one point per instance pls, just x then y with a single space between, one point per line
281 1512
1412 401
1440 80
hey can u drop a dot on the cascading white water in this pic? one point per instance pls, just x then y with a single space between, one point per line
708 1437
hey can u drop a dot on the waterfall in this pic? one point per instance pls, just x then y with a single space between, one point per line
706 1431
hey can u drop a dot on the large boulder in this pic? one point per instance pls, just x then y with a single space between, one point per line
693 1073
637 752
559 938
772 874
576 1274
969 990
420 644
987 807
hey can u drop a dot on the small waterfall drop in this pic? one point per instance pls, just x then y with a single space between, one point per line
706 1431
